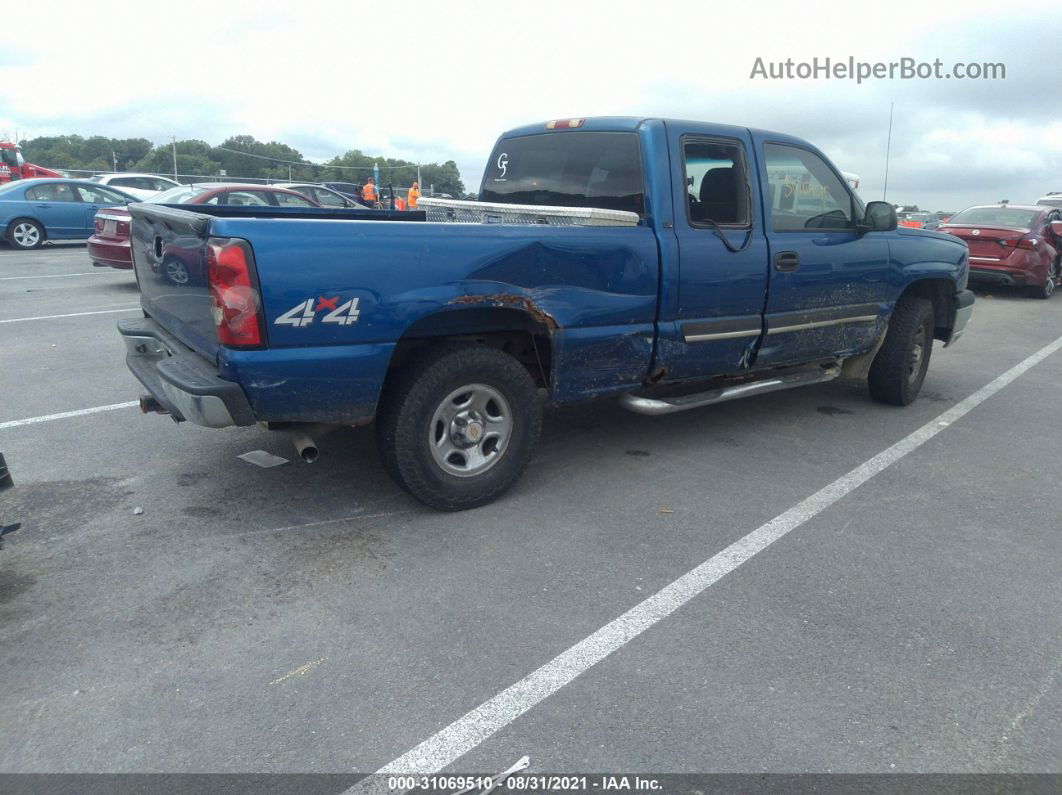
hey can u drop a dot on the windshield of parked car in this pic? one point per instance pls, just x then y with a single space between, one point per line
178 195
567 169
995 216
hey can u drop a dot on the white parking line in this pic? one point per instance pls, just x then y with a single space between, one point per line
468 731
72 314
111 272
63 415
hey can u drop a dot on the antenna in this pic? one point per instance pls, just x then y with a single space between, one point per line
888 148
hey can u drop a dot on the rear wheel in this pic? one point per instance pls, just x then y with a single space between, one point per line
899 368
25 234
1047 289
458 425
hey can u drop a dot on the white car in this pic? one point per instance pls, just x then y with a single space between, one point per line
143 186
1053 199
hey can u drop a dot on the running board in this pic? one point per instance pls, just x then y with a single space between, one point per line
654 406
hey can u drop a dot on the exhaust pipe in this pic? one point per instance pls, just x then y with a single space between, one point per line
149 405
305 447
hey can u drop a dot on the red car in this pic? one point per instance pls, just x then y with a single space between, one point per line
109 244
1012 244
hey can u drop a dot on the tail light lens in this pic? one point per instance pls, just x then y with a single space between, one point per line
122 227
97 224
1028 243
234 298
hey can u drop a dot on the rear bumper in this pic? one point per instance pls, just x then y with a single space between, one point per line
987 275
183 382
964 304
108 252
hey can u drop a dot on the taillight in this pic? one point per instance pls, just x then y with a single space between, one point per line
234 298
1027 243
122 227
97 224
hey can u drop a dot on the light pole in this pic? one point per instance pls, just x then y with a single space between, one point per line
174 137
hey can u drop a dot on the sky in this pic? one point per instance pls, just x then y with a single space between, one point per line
438 81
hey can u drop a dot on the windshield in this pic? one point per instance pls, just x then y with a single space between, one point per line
8 157
996 216
178 195
567 169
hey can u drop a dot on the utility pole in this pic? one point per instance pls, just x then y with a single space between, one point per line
418 174
888 147
114 159
174 138
289 172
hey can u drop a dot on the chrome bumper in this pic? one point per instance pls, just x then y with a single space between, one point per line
184 383
964 304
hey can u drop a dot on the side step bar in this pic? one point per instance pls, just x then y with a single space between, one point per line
670 405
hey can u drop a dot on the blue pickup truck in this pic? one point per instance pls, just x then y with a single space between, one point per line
717 262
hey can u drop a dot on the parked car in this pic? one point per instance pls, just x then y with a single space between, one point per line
326 197
625 280
109 244
143 186
1052 199
33 211
1011 244
348 189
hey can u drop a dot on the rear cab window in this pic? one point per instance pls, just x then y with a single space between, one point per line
567 169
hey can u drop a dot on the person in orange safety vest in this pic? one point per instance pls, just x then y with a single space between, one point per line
413 195
368 192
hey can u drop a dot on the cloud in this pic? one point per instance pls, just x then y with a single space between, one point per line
433 82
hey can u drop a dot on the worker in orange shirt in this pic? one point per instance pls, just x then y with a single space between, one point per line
413 195
368 192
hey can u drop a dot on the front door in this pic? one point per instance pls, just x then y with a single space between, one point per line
828 292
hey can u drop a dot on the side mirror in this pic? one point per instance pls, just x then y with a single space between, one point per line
1056 227
879 217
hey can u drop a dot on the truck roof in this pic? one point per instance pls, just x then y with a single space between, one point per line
632 123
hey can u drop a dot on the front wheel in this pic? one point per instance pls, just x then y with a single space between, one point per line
25 234
458 425
900 366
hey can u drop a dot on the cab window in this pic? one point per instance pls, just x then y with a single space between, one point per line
328 199
567 169
99 195
253 198
51 192
716 182
291 200
804 191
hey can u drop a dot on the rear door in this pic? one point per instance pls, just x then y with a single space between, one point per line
722 253
829 288
58 208
94 198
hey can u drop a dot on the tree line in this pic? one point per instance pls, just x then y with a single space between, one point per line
240 156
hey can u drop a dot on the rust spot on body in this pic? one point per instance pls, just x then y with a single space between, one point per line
505 299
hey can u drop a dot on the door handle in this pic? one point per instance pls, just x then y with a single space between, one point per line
786 261
44 206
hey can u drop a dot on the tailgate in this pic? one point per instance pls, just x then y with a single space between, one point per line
169 254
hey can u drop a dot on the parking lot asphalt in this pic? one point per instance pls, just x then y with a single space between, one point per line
314 618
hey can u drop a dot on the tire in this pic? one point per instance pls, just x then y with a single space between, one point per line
1047 289
25 234
899 368
458 424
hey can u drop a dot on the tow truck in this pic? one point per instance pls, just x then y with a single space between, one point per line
13 166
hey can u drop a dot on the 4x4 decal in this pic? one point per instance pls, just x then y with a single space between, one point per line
304 312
